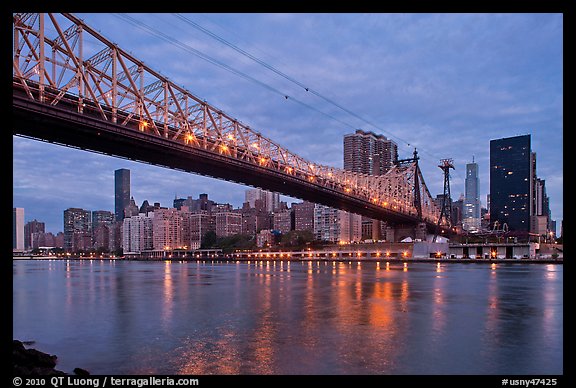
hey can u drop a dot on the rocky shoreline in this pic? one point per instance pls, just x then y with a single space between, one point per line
32 362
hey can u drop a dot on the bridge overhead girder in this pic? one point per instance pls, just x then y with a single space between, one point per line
76 88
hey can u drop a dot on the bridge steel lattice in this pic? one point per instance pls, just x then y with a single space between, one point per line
74 87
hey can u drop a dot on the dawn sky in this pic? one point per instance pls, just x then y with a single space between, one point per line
446 84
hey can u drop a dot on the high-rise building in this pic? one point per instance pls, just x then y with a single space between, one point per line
335 225
77 230
178 203
137 233
512 175
457 211
101 217
251 196
283 220
115 236
198 225
350 227
303 216
203 203
167 229
18 229
32 230
131 209
43 240
270 199
59 240
369 153
228 223
121 192
541 222
256 218
471 216
101 237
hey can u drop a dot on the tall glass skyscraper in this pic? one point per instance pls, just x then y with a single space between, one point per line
121 192
471 216
512 169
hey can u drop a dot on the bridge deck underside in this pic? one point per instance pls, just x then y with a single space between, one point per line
61 126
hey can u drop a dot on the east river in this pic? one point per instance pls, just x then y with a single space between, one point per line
267 317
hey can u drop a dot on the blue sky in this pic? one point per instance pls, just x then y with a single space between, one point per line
446 84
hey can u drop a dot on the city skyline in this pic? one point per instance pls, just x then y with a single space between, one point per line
450 107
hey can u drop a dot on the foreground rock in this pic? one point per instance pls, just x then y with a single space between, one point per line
29 362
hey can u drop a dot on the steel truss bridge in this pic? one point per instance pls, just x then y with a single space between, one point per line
72 86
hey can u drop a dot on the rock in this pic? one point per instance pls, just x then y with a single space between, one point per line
28 362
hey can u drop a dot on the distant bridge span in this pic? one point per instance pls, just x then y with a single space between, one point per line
77 89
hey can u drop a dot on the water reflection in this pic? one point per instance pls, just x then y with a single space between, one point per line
317 317
168 294
439 308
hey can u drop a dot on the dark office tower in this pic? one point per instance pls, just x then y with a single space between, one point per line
511 182
121 192
368 153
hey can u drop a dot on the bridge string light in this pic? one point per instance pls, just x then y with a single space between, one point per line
177 43
230 69
185 47
399 191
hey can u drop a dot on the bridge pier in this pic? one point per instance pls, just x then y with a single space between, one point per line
420 231
397 233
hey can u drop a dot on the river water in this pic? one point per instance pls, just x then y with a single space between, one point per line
129 317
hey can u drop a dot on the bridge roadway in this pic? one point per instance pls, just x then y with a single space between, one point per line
62 124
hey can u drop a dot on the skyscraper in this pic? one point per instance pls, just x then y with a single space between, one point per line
471 216
368 153
512 170
77 229
121 192
18 229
